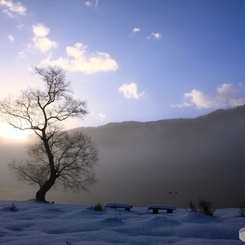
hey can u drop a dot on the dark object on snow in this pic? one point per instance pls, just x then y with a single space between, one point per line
127 207
155 208
13 207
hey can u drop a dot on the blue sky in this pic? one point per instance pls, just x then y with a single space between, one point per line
140 60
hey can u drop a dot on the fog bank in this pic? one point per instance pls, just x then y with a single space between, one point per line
166 162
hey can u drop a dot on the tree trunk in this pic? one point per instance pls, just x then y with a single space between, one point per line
40 195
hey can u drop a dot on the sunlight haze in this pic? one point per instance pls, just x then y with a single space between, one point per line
7 131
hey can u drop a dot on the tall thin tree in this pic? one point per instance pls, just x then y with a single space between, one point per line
57 155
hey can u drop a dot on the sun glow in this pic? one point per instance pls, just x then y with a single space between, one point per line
7 131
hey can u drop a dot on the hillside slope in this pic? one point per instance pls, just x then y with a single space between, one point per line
201 157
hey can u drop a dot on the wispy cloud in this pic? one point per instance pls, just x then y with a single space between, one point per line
154 36
88 3
20 26
226 95
136 30
102 115
92 3
133 31
130 91
10 8
11 38
83 61
40 41
185 104
21 54
96 3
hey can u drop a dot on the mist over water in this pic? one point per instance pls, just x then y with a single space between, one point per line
162 162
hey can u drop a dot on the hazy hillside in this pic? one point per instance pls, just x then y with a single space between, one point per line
201 157
166 161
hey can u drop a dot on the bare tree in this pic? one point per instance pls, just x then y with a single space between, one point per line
74 157
57 157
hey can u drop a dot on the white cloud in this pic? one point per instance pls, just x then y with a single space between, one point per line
225 96
88 3
130 91
134 30
226 91
200 99
44 44
83 61
11 38
40 40
102 115
40 30
154 36
11 8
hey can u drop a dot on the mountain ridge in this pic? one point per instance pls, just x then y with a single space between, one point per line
196 157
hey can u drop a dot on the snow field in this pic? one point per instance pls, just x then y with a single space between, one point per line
38 223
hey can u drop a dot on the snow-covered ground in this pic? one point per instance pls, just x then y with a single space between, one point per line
36 223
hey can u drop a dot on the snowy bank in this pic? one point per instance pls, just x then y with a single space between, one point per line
42 223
